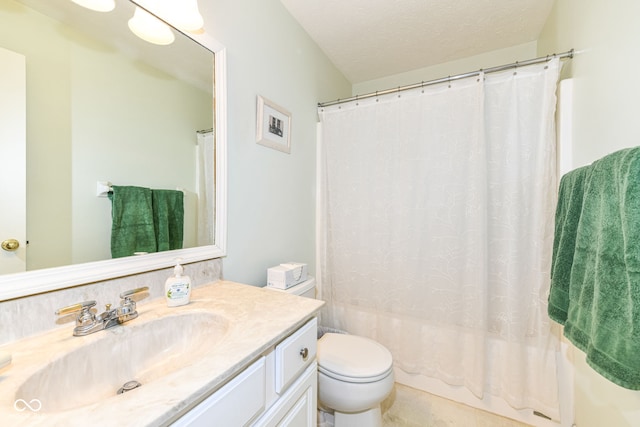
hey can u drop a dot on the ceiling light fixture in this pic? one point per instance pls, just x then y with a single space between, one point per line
97 5
149 28
182 14
185 14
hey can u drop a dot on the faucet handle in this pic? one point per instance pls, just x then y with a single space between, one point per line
85 319
127 310
128 294
82 306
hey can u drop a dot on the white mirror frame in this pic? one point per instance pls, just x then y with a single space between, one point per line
49 279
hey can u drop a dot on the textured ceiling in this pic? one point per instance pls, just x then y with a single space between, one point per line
369 39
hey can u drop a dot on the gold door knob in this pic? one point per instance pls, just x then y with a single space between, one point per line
10 245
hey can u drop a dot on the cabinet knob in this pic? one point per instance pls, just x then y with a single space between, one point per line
304 353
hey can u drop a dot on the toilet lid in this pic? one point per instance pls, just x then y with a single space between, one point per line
353 358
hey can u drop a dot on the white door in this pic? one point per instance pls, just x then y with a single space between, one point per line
13 123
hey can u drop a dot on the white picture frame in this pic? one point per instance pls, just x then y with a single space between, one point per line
273 126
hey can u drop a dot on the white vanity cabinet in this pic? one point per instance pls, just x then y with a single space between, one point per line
278 389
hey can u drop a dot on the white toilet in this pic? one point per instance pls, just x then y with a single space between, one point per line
355 374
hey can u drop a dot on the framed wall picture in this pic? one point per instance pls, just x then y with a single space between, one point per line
273 128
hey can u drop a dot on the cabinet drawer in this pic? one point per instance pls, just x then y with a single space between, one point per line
294 354
246 391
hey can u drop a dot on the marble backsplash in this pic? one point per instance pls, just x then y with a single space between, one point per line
22 317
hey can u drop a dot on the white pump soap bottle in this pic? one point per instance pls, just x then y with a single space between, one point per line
177 288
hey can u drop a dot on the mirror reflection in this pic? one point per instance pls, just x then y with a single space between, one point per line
102 107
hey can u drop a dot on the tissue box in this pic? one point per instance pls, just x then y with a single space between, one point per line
286 275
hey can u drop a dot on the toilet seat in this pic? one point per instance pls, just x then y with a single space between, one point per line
353 358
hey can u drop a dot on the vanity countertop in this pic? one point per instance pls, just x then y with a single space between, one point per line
256 320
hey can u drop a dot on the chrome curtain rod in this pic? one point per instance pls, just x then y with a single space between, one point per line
568 54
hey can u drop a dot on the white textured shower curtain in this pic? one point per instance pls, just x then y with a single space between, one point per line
436 211
206 187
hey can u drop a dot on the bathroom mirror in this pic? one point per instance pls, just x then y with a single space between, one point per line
94 133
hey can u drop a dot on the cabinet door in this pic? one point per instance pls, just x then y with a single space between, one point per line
303 413
297 406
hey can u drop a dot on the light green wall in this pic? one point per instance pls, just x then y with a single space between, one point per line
605 70
465 65
150 143
271 214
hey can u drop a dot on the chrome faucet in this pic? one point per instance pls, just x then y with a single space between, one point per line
88 323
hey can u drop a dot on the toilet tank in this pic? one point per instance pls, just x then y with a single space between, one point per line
304 289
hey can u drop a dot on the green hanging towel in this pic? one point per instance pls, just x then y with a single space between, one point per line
595 283
168 217
132 228
568 211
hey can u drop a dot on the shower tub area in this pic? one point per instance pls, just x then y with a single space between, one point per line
426 390
435 233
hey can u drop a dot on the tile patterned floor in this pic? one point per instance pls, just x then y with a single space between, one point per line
407 407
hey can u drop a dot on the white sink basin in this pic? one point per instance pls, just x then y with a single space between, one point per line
140 351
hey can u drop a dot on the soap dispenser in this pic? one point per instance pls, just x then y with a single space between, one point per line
177 288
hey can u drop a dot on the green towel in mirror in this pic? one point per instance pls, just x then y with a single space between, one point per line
168 217
132 228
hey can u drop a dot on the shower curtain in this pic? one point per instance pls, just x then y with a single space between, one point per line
436 210
206 187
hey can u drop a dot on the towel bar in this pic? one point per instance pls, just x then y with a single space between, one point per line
104 187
